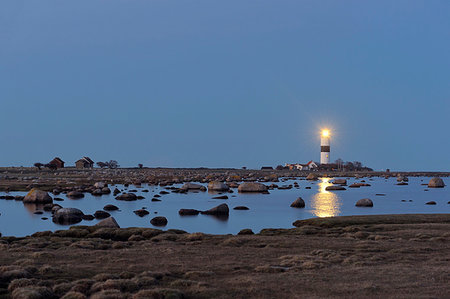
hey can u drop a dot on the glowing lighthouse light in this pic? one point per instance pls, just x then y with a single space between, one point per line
325 147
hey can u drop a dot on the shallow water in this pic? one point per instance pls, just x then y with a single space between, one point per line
266 210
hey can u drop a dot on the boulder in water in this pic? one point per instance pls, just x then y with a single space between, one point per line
340 182
75 194
67 216
127 197
192 186
334 188
252 187
159 221
217 186
101 214
110 208
241 208
188 212
141 212
298 203
365 202
218 211
436 183
37 196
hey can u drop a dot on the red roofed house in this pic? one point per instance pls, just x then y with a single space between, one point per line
57 162
84 162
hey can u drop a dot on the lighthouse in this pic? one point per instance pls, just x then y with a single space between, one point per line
325 147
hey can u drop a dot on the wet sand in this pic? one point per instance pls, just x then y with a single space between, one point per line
391 256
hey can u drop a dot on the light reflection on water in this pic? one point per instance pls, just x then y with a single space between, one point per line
325 203
265 210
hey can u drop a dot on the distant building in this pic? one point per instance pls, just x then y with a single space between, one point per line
84 162
267 168
325 147
297 166
57 162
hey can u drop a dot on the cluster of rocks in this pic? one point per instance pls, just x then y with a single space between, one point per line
218 184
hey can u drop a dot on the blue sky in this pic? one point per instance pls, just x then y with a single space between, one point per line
225 83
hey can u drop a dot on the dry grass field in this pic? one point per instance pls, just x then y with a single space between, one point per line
359 257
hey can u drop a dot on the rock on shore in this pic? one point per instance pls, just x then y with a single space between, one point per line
217 186
312 177
192 186
252 187
108 222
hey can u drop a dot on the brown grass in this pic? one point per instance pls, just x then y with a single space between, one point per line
362 256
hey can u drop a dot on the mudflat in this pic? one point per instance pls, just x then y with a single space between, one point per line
384 256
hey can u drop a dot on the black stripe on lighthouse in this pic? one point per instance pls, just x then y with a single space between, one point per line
325 148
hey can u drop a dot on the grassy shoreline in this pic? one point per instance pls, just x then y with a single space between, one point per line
348 256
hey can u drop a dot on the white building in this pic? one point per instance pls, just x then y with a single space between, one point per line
297 166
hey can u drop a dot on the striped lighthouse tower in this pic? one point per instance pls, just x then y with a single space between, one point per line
325 147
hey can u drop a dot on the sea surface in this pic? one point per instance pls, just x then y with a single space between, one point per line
266 210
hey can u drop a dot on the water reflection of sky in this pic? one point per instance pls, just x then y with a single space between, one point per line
325 203
265 210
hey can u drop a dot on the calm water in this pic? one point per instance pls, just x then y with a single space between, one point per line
266 210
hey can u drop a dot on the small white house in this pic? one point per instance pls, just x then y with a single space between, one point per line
297 166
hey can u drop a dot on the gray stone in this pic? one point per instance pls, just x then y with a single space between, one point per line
312 177
100 185
75 194
298 203
219 210
110 208
141 212
101 214
37 196
334 188
159 221
108 222
217 186
365 202
192 186
241 208
246 231
252 187
340 182
188 212
127 197
436 183
67 216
